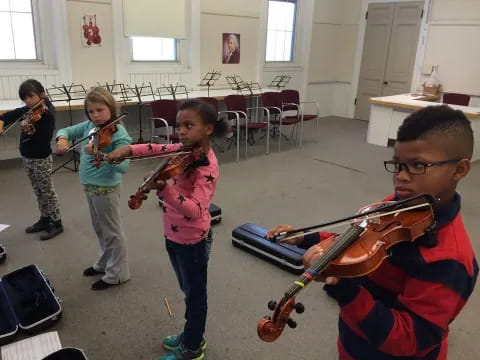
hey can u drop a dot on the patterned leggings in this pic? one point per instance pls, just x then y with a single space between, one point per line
40 173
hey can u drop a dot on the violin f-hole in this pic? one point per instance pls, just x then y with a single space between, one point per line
393 223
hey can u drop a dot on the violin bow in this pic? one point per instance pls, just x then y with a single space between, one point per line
384 210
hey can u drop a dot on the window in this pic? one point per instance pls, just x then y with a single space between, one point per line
16 27
280 30
154 49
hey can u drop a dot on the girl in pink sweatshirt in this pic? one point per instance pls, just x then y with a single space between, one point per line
186 199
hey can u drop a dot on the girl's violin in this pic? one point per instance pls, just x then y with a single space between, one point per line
30 117
181 162
357 252
33 115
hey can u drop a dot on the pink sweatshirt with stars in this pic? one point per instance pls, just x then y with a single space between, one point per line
186 198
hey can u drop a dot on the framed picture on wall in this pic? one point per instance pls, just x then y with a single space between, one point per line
231 48
90 31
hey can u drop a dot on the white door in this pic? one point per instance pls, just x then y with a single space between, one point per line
389 56
374 58
403 47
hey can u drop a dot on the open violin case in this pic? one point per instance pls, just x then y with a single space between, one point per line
27 303
3 254
215 213
67 354
251 237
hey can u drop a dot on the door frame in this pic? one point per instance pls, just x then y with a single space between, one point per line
421 46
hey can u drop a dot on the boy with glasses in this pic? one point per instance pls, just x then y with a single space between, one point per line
403 309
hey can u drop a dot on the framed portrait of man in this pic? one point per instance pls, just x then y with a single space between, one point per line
231 48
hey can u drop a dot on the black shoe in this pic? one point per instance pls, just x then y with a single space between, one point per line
53 229
3 255
92 272
40 225
101 285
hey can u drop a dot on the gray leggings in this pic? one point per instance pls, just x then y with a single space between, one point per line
105 215
39 172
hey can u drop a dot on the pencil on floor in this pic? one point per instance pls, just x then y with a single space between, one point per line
169 309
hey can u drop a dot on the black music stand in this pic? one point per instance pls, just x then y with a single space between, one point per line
138 92
209 80
172 90
280 81
117 89
64 93
235 82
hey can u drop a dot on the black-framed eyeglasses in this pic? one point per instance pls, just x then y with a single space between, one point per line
414 168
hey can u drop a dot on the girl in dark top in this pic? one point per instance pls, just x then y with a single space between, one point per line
37 154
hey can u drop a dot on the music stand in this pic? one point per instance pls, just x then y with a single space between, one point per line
62 93
172 90
209 80
116 89
235 82
139 91
280 81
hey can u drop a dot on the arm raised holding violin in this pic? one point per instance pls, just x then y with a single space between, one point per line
101 184
405 268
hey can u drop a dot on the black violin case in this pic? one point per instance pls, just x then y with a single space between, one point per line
67 354
215 213
27 303
251 237
3 254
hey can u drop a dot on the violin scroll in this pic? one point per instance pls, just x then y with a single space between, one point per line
136 200
269 328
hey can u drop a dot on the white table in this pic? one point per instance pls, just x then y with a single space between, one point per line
387 114
9 143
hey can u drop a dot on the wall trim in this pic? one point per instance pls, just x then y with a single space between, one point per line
232 15
325 82
333 24
454 23
270 68
29 71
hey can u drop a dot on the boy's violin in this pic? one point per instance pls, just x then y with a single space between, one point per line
357 252
182 161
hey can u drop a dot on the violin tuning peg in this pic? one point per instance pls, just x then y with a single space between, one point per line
291 323
272 304
299 308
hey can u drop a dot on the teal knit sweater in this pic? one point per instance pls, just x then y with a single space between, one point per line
106 174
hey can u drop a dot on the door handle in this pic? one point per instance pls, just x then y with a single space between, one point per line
385 83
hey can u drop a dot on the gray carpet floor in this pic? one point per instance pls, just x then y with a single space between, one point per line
327 178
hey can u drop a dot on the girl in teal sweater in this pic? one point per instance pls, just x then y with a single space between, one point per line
102 188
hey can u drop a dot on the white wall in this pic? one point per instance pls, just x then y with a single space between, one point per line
453 43
332 49
96 63
229 16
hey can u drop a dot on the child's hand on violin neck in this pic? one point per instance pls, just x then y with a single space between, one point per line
154 184
62 146
292 239
26 127
88 149
119 154
310 257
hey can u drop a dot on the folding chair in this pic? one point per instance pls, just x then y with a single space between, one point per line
164 115
291 101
